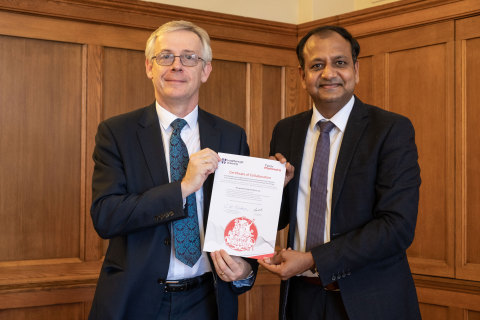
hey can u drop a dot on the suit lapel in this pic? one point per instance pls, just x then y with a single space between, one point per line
210 137
299 134
297 145
150 139
357 122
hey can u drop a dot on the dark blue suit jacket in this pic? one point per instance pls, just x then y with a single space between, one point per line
133 204
374 211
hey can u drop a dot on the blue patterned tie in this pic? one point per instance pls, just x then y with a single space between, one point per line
186 232
318 185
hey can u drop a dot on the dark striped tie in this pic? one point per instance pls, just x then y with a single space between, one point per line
318 185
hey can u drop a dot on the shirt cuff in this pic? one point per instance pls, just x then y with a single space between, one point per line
247 282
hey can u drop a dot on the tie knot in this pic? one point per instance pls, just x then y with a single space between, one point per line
325 126
178 124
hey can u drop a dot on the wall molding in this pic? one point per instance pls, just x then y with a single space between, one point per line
148 16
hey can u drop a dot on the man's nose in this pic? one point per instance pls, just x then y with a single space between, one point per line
177 64
328 71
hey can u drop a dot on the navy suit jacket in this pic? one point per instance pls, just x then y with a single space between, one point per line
374 211
133 205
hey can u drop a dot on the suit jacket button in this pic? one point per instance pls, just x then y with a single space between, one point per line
166 241
161 281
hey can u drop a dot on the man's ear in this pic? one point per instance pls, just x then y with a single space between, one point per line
148 68
301 72
357 72
207 68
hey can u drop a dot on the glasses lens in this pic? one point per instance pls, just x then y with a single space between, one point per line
189 60
165 59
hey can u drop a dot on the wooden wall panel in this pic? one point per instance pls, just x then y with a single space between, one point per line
93 79
244 52
57 312
40 139
105 77
273 104
473 315
366 86
437 312
396 67
83 61
468 175
261 303
459 296
267 100
254 108
126 86
428 105
50 27
472 219
296 98
224 94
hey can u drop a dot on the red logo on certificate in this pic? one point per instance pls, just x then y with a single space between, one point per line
241 234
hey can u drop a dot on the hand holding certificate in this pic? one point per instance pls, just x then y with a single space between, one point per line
245 206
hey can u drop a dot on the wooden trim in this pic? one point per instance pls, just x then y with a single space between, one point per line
148 16
448 292
397 15
73 293
401 40
242 52
83 161
283 94
466 286
94 69
461 163
256 114
465 30
47 273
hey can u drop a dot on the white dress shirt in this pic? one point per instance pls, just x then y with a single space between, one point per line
303 204
191 137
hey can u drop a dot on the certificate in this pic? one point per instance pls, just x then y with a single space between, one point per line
245 206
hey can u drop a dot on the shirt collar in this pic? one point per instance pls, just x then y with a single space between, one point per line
340 118
166 117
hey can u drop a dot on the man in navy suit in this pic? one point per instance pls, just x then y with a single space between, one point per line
346 256
137 203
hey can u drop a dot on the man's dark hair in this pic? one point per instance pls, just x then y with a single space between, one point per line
324 30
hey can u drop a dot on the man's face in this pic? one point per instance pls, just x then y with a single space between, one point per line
329 75
177 85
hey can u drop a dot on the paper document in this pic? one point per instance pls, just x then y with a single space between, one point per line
245 206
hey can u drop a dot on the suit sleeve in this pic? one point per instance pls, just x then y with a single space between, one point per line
389 209
118 210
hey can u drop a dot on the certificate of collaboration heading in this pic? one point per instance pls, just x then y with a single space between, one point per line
245 206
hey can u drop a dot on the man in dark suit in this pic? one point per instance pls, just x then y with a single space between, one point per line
352 205
151 191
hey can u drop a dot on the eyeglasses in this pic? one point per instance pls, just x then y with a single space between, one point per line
187 59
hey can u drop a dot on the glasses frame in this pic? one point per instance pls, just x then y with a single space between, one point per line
182 58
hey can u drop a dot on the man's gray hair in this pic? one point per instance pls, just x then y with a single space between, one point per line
172 26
